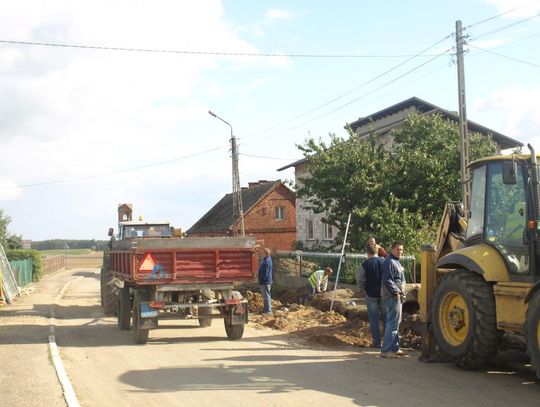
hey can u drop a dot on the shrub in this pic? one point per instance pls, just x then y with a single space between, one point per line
34 255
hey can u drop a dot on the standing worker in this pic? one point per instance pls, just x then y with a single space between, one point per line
369 284
265 281
379 250
393 295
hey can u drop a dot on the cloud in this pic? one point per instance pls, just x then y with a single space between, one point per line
524 8
517 110
279 14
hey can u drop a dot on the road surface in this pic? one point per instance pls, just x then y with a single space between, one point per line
184 365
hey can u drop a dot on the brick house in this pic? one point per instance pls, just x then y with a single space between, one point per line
269 215
309 226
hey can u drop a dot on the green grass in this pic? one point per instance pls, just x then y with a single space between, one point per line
71 252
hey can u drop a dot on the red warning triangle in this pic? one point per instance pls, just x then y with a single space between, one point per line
148 263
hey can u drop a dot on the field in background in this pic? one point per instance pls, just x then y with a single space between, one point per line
69 252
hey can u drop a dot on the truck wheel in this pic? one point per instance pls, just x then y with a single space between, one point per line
140 336
109 292
124 309
464 318
234 332
532 332
206 295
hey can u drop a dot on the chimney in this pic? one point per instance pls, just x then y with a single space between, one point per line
124 212
252 184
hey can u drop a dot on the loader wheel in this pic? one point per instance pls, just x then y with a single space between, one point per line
464 318
109 293
140 336
124 309
206 322
532 332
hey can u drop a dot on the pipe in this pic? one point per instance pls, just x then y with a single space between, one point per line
534 183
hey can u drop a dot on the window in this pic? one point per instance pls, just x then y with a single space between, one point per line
328 231
280 212
309 228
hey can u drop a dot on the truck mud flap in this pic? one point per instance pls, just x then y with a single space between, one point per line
149 318
239 314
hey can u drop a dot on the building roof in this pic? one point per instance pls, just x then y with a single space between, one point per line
219 218
423 107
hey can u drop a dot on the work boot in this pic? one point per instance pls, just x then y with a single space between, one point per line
399 352
390 355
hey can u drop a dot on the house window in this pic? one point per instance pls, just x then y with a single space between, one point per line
309 228
328 231
280 212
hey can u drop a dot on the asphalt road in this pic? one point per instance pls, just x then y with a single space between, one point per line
184 365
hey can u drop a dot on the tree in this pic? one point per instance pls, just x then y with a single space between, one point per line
392 193
4 222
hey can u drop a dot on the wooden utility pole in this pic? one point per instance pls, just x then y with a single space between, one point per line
465 178
238 210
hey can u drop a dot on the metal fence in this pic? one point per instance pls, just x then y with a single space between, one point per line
22 271
304 263
8 286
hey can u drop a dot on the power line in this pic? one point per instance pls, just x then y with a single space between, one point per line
215 53
87 177
421 53
507 26
501 14
505 56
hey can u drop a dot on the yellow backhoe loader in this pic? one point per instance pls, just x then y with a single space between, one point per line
481 278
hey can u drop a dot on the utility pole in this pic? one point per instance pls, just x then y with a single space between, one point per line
465 177
238 210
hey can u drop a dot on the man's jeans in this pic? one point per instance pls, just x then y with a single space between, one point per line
375 313
265 291
392 308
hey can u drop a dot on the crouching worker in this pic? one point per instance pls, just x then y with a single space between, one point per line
317 283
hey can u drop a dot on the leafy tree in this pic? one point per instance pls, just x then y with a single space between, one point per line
392 193
14 242
4 222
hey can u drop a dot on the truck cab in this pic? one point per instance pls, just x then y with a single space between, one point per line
142 229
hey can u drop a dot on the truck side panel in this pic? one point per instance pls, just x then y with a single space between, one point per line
184 266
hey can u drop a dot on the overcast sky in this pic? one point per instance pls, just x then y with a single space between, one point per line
84 129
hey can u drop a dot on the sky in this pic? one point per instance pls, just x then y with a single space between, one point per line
115 108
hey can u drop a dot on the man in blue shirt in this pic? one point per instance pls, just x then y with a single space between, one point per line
392 295
368 279
265 281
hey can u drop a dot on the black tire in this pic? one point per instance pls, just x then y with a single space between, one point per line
532 332
206 322
234 332
140 336
124 309
109 292
464 318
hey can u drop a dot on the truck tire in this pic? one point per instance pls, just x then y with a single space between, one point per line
532 332
234 332
206 322
464 318
140 336
109 292
124 309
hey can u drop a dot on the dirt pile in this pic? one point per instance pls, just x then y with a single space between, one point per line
345 325
296 267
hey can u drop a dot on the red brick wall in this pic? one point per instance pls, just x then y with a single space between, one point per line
261 220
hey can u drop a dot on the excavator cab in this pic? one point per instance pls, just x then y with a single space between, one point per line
488 283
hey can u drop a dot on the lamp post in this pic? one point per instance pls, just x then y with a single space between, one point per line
238 211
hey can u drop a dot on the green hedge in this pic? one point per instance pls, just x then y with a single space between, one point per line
34 255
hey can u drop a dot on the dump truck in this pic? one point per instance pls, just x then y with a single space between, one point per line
482 276
150 275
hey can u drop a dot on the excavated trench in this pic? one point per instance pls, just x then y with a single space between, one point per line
346 325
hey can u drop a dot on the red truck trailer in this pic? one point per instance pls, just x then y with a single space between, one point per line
167 277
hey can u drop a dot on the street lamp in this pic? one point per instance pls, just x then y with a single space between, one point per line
238 211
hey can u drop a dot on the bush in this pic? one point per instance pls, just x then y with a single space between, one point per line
34 255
